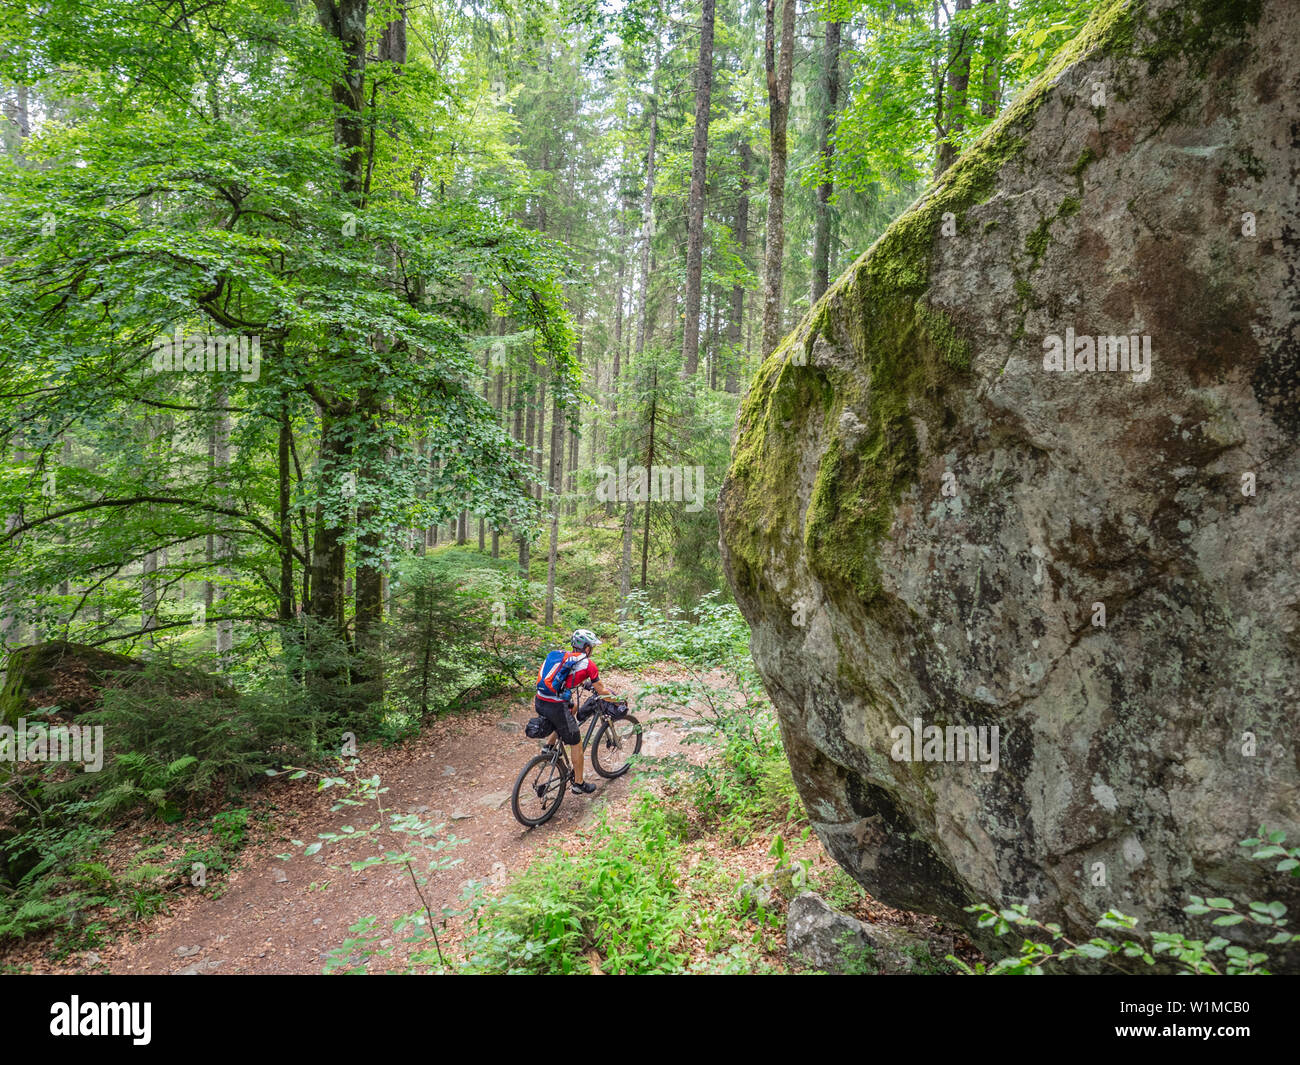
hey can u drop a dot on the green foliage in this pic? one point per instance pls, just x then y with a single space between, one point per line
169 750
790 875
619 898
452 632
750 785
839 889
713 634
182 177
924 963
886 132
51 876
48 879
857 959
230 827
1192 956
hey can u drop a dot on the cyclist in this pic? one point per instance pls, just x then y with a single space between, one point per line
559 712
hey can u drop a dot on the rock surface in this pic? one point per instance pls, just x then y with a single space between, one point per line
825 939
924 523
822 938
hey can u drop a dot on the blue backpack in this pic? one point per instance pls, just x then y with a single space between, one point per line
553 677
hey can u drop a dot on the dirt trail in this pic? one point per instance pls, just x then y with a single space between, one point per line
284 916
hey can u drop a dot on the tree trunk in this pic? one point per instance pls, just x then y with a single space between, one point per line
711 345
501 415
327 552
530 424
369 572
695 202
649 465
625 570
570 477
553 479
994 46
620 231
11 626
286 606
539 456
735 325
345 22
647 212
221 544
779 74
959 49
826 148
149 595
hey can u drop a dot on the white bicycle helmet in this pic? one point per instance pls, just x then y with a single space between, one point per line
584 639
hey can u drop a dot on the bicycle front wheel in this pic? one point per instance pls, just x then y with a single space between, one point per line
615 743
538 791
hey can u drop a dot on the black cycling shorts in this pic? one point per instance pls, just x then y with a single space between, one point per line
559 715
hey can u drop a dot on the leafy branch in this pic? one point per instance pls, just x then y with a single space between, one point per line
1194 956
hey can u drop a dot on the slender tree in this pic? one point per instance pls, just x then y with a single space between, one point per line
779 75
695 201
647 214
826 152
953 108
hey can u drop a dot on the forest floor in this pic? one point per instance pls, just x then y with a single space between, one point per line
272 915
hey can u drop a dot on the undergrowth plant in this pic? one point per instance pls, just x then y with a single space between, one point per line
1216 956
621 904
749 786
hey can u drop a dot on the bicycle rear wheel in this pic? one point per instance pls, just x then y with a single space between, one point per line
615 743
539 790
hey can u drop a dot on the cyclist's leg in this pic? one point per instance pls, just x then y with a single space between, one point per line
572 735
566 727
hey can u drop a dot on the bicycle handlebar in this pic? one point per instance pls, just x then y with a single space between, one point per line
590 687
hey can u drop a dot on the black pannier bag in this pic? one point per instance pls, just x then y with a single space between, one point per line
614 710
538 728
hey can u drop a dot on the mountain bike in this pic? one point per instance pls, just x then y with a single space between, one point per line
540 789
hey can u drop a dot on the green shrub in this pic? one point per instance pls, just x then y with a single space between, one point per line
453 631
230 827
48 879
924 961
840 890
1192 956
620 898
713 634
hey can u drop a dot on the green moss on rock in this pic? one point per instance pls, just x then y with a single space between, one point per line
1086 158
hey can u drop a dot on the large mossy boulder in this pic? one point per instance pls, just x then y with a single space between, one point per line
926 522
74 677
70 676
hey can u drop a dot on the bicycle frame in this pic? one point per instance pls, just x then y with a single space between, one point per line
586 740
